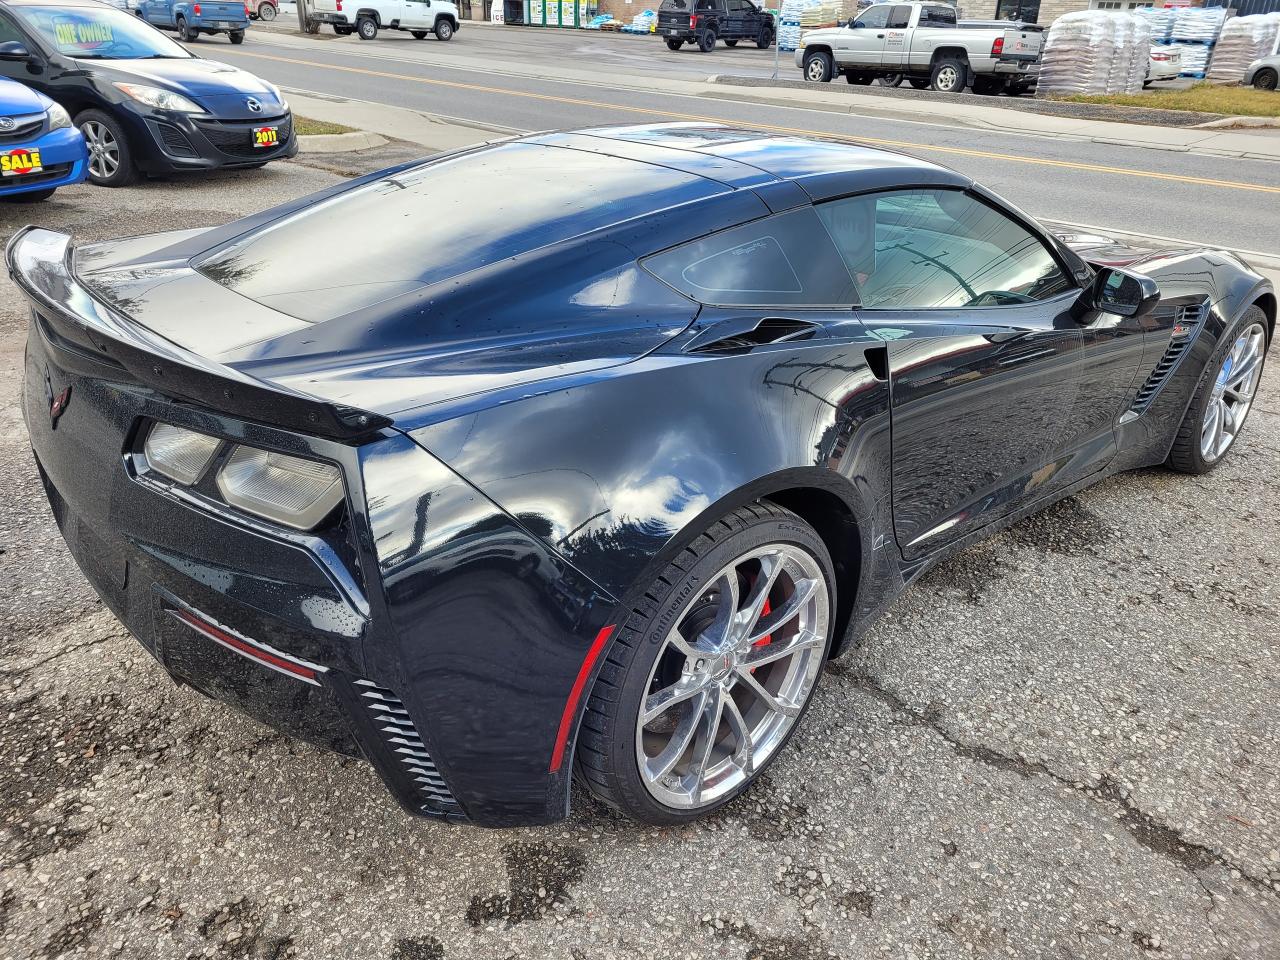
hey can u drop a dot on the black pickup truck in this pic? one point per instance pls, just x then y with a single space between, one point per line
703 22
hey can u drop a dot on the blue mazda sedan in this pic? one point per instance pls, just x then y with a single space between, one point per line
40 149
144 104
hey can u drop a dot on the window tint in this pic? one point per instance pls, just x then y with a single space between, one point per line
929 249
9 33
937 17
787 260
875 18
899 17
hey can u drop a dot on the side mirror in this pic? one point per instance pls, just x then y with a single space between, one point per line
13 50
1120 292
857 24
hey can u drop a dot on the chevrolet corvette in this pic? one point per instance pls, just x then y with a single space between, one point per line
575 457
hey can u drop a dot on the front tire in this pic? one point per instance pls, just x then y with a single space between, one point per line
1265 79
818 67
710 671
1223 398
266 12
110 159
367 28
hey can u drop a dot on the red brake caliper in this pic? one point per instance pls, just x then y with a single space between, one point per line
768 637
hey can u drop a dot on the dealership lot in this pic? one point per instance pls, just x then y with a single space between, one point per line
1060 743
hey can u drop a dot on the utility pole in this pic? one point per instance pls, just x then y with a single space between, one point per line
302 16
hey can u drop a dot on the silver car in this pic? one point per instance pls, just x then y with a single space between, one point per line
1263 73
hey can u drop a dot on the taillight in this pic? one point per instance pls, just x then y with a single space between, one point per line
693 21
339 6
196 9
997 48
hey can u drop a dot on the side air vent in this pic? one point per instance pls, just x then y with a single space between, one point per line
722 339
1187 319
401 736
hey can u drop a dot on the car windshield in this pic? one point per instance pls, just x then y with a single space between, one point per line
99 33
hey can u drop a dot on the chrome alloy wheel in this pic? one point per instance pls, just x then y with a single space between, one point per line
948 78
733 676
815 69
1233 392
104 151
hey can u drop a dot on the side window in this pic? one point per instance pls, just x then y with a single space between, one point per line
784 260
939 249
875 18
899 17
9 33
937 17
706 5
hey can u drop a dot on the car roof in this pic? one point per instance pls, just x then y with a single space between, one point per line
747 158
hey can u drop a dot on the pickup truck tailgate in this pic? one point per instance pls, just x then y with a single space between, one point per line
1022 44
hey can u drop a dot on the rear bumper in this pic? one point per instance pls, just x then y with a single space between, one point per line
219 25
1011 69
436 637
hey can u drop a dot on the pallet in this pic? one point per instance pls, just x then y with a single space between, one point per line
1201 43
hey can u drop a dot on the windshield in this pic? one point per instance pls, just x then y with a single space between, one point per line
99 33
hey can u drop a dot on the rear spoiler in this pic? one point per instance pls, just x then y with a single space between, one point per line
39 261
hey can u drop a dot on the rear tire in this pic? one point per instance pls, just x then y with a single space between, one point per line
674 43
818 67
1265 79
1198 446
986 86
858 79
367 28
185 33
418 34
707 41
949 75
444 31
731 43
765 40
236 36
342 31
688 600
919 83
892 80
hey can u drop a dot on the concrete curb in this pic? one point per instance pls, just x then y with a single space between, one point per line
340 142
1241 122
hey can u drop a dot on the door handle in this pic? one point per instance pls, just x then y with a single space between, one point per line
879 36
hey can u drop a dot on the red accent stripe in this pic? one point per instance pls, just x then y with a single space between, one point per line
248 649
571 705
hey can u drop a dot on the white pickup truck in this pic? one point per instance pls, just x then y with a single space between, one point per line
366 17
924 43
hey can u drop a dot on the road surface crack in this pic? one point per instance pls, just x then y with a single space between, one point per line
1145 829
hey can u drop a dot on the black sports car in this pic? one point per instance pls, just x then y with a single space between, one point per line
584 451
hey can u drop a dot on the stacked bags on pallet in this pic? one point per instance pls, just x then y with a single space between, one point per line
1093 51
819 15
1160 20
1244 40
642 22
1198 23
789 22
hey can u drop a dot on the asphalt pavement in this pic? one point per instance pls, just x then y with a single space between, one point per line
1061 743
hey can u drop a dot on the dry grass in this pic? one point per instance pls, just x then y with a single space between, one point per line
1201 98
305 127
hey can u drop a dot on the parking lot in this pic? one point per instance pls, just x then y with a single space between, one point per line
1062 743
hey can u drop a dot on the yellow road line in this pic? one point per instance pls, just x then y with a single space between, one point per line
775 128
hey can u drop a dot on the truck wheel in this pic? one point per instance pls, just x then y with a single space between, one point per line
919 83
266 12
858 79
765 40
731 43
949 75
236 36
817 66
418 34
444 30
185 33
367 28
987 86
707 41
674 43
891 80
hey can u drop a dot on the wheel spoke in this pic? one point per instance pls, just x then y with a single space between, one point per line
656 704
785 613
759 656
658 767
743 750
708 727
770 566
1238 381
747 679
721 629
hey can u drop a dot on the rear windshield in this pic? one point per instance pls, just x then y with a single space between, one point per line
439 221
